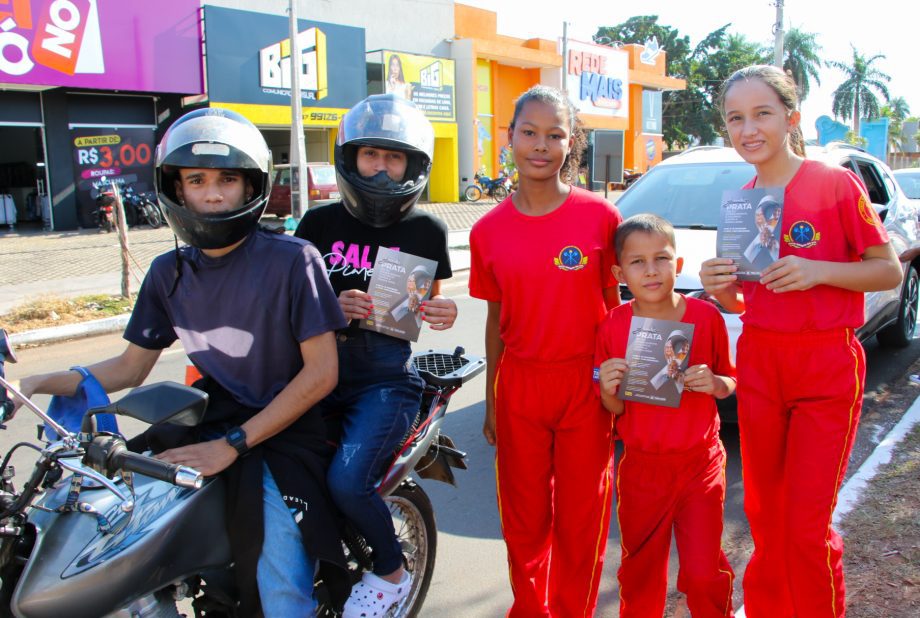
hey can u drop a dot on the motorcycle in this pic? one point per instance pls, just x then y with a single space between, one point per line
141 208
129 535
104 214
496 188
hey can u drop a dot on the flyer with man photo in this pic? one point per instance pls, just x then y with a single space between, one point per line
658 353
750 227
401 281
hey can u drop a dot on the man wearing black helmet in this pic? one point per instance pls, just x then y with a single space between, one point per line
382 160
256 315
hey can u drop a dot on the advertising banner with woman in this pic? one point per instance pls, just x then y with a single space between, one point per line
427 81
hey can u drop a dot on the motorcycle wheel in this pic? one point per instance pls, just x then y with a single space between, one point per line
107 225
154 218
413 518
473 193
499 193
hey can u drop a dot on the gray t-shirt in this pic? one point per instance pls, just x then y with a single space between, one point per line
242 316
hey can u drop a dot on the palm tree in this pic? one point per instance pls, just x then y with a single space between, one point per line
900 110
801 58
854 96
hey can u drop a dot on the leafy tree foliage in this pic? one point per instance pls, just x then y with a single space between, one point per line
692 115
856 96
801 58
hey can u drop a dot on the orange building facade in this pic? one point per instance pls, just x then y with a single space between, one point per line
617 92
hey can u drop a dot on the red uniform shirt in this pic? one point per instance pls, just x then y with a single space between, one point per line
658 429
826 216
548 272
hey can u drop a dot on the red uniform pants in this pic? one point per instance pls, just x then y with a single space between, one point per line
799 398
683 492
553 467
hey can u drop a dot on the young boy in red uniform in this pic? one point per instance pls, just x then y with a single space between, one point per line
672 472
542 260
800 366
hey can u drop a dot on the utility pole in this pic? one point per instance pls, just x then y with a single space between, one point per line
778 35
298 148
565 56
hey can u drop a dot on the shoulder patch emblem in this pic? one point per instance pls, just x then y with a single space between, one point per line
570 258
802 235
867 212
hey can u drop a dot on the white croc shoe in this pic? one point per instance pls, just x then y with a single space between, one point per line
372 596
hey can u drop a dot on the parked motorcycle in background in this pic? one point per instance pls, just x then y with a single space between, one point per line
128 535
140 209
496 188
104 215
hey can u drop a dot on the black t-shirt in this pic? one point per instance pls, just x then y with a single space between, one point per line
349 247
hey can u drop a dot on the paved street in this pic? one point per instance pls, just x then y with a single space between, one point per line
87 261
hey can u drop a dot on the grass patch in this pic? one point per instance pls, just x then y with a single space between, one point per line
48 311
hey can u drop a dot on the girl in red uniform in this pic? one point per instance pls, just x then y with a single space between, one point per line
542 259
800 367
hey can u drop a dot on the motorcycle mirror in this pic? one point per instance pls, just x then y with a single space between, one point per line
6 348
163 402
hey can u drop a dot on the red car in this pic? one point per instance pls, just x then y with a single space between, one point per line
321 188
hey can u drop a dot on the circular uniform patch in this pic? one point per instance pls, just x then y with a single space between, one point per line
867 212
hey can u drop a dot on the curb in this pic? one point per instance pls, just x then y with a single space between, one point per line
70 331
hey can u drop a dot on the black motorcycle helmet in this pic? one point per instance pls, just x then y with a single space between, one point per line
213 138
390 122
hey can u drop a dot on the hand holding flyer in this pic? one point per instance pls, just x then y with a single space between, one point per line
399 285
750 228
657 353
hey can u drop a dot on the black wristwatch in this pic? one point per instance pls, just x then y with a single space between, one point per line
236 438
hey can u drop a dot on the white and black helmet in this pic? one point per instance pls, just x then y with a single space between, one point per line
213 138
393 123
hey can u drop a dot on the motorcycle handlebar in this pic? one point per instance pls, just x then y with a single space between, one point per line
123 459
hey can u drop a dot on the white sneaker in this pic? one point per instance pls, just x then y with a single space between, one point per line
373 596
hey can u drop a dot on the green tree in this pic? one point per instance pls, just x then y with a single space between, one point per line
855 95
801 57
897 112
692 114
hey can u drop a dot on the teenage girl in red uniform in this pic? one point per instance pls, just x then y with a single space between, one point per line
800 367
542 259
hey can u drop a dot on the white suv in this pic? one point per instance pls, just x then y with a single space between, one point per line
687 191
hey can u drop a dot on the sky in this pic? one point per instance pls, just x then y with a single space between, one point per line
888 27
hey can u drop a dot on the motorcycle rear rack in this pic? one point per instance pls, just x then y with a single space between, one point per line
440 368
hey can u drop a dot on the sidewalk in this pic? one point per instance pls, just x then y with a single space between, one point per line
77 263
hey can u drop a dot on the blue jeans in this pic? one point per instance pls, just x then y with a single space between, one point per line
284 573
378 396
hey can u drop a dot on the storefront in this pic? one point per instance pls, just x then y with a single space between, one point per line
82 91
430 83
248 57
492 72
617 92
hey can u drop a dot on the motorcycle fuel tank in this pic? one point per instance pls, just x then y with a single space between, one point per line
77 571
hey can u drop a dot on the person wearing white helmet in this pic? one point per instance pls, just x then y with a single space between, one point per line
256 315
382 160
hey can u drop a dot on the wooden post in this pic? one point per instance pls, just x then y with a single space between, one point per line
123 241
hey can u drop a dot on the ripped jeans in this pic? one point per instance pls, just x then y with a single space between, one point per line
378 396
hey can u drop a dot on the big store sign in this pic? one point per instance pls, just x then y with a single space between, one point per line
597 79
103 44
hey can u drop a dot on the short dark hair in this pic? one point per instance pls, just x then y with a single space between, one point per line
647 223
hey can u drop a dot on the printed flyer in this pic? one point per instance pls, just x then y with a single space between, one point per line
750 226
658 353
401 281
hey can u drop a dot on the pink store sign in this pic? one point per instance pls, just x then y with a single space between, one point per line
145 45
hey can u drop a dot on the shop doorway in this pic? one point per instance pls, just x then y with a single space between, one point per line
24 204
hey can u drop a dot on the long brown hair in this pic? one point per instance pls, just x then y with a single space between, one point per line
552 96
782 84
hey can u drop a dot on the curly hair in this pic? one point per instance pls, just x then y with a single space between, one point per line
552 96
